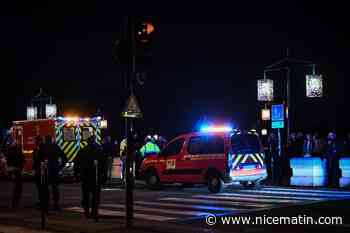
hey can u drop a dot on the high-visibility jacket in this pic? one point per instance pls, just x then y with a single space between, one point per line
149 148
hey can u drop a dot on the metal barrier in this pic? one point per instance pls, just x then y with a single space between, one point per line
344 166
308 171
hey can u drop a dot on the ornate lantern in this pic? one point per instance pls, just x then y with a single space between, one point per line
314 86
32 113
265 114
50 110
265 90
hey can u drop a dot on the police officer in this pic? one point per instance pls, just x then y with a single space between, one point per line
15 162
56 160
90 168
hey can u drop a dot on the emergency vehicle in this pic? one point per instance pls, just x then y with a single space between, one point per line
215 156
70 134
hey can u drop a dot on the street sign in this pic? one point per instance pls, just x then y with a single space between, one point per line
277 112
132 108
277 124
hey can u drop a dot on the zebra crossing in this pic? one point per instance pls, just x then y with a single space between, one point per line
178 208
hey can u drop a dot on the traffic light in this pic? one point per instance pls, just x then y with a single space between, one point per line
144 31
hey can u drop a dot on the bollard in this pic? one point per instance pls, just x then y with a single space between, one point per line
96 189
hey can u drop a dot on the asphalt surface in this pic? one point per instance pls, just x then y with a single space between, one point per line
177 209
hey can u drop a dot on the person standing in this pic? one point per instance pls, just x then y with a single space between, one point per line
90 168
318 145
347 145
149 148
332 157
15 162
308 147
275 159
36 165
109 153
52 153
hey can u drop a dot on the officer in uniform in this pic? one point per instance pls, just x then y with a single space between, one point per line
149 148
90 168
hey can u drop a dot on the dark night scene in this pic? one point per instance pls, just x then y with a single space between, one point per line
212 118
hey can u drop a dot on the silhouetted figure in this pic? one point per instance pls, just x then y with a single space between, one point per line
15 162
308 147
332 155
275 159
56 160
36 165
90 168
109 152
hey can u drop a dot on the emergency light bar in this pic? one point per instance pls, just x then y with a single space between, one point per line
216 129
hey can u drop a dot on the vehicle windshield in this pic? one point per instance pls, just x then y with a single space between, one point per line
245 142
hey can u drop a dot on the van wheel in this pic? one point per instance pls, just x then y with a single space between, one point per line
152 180
215 183
248 184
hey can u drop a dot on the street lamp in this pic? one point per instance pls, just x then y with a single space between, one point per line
265 89
50 110
314 85
265 114
32 113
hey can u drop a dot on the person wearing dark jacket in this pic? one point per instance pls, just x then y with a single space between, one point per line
90 168
333 153
56 160
109 152
36 164
15 162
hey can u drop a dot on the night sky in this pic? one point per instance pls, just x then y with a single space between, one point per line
202 65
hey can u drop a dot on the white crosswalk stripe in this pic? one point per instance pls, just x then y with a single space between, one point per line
176 208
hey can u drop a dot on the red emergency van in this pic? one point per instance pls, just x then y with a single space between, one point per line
215 156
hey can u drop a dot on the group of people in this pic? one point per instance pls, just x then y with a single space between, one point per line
330 149
150 145
90 168
314 145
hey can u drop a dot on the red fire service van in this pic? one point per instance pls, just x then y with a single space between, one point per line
214 156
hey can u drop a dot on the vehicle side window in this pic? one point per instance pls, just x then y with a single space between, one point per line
206 145
86 132
68 134
173 148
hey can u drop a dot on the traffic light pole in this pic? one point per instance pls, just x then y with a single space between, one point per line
129 145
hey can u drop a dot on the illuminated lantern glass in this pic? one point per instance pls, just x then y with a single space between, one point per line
264 132
265 90
265 114
103 124
50 110
314 86
32 113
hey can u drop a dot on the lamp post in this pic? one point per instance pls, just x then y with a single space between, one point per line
313 82
41 107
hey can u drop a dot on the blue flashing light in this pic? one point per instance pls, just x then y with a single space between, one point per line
209 129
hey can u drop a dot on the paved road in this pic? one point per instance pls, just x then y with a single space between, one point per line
178 204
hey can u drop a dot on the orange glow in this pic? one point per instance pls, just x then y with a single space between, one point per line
149 28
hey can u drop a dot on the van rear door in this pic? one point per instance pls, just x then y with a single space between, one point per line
246 153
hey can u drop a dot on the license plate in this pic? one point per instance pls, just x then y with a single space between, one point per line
249 167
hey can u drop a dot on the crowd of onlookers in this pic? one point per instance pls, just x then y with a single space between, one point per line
312 144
